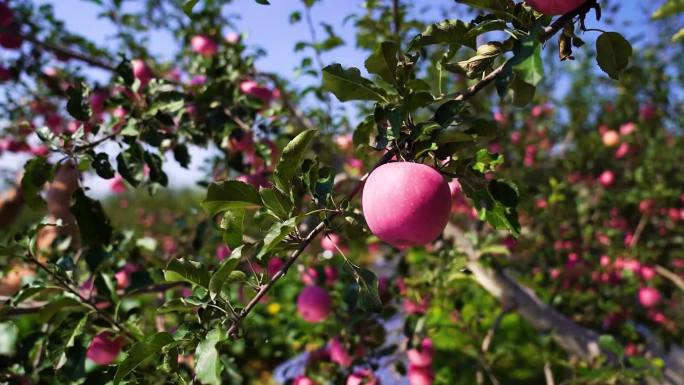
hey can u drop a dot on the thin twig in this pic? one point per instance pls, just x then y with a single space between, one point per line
65 52
65 285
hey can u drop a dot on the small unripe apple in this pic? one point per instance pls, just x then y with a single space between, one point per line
104 348
203 45
555 7
421 357
420 375
362 377
406 204
313 304
610 138
649 296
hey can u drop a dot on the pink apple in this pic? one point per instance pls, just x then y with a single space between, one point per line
422 356
303 380
627 128
338 353
332 242
97 101
606 178
197 81
253 89
610 138
6 15
222 252
622 151
555 7
40 150
117 185
647 273
420 375
344 142
649 297
141 71
203 45
119 112
104 348
406 204
123 276
313 304
362 377
274 265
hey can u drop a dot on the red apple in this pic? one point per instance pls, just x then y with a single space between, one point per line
421 357
203 45
406 204
6 15
555 7
141 71
104 348
313 304
338 353
419 375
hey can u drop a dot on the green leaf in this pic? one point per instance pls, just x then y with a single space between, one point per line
181 155
608 343
522 92
486 161
208 367
505 192
93 223
188 7
348 84
447 112
292 158
219 278
613 53
263 2
230 194
9 335
445 32
369 298
531 70
37 172
277 202
275 235
142 352
231 223
102 166
669 9
76 106
182 270
384 62
125 70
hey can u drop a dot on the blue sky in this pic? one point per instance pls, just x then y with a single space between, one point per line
268 27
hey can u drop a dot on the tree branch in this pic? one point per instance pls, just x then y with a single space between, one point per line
65 52
571 337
